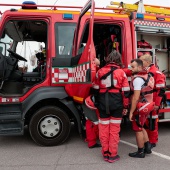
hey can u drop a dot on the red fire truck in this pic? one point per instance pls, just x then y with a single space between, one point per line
50 97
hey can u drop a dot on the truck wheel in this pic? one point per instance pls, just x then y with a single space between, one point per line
49 126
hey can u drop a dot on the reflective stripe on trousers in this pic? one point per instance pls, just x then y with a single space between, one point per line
109 129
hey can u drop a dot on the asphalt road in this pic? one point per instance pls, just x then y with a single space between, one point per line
21 153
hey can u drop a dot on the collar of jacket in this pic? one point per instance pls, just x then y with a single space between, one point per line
143 72
113 64
151 65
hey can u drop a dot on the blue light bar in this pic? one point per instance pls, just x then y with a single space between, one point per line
139 16
68 16
29 3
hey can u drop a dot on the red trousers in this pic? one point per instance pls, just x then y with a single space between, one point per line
92 132
152 127
109 129
138 121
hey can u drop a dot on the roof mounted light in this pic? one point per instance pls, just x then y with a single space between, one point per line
29 5
139 16
67 16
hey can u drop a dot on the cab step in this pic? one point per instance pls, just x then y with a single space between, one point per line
11 122
11 128
10 112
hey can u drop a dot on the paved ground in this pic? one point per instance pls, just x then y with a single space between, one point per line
21 153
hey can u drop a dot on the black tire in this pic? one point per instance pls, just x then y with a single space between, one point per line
58 119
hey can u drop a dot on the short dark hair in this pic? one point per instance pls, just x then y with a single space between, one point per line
138 61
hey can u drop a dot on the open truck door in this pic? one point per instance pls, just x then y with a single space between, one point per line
84 67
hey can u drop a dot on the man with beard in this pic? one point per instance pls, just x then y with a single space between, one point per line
141 105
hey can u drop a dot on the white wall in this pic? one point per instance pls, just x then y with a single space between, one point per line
162 57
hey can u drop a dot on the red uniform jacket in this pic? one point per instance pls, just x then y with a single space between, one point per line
159 87
115 83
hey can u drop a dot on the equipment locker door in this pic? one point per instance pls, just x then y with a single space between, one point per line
85 69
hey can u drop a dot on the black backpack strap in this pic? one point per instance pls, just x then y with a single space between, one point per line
112 85
107 102
111 77
107 74
147 80
145 84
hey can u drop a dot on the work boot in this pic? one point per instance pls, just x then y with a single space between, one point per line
153 145
148 147
97 145
113 159
105 158
139 154
106 155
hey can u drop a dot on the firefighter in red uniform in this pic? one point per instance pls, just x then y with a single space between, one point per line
92 131
141 105
113 100
159 91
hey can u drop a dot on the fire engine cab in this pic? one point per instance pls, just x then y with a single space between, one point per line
50 97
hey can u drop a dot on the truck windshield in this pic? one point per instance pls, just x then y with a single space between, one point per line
64 38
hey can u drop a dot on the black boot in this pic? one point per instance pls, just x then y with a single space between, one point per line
148 147
95 146
139 154
153 145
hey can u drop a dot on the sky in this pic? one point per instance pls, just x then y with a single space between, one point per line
99 3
